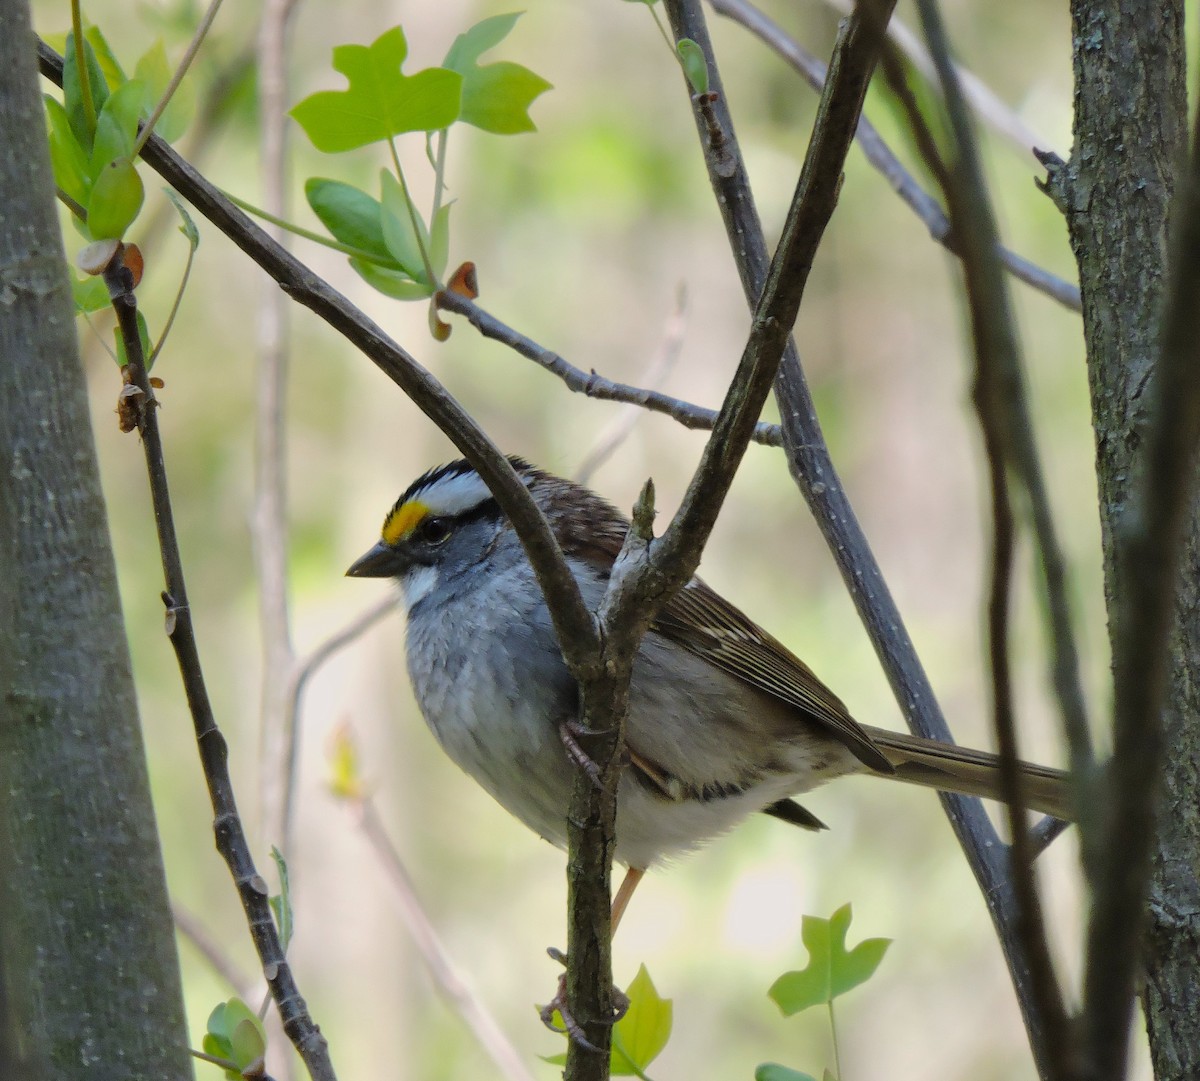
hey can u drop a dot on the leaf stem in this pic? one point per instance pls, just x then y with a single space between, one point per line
85 83
193 48
308 234
413 218
162 338
837 1055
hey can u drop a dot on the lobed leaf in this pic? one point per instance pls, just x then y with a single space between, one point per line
495 97
381 101
832 970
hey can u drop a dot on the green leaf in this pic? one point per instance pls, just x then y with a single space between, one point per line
155 72
391 283
81 125
281 903
640 1036
116 126
495 97
248 1041
695 67
235 1033
381 101
772 1071
143 334
399 236
188 227
115 200
90 293
72 172
114 74
350 214
831 970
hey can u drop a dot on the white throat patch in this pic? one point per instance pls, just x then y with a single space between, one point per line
417 585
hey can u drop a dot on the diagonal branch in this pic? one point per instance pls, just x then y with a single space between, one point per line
573 622
880 155
214 753
814 473
589 383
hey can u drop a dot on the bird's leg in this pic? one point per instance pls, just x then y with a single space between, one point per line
620 1000
621 901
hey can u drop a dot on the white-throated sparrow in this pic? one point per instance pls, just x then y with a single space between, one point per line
723 719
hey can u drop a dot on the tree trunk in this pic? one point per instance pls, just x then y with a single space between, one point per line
1130 141
91 980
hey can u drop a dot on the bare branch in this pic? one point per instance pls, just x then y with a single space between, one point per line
591 384
1010 445
986 103
880 155
188 924
438 964
573 622
214 752
660 366
268 523
815 475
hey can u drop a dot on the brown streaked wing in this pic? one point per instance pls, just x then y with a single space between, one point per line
703 622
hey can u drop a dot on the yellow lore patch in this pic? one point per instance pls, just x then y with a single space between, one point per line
403 520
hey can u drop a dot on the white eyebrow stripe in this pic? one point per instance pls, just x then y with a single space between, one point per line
454 495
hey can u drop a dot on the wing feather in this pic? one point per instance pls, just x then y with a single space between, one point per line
703 622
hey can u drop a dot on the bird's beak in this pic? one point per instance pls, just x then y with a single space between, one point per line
381 561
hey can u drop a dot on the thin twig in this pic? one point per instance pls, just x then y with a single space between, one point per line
573 622
177 76
813 470
269 521
881 156
302 671
1009 444
1044 833
621 426
188 924
433 952
591 384
214 753
986 103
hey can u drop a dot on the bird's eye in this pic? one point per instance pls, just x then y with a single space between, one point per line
434 531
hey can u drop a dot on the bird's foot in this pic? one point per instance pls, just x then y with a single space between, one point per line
558 1004
570 732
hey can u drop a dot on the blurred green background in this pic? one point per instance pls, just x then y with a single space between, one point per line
584 234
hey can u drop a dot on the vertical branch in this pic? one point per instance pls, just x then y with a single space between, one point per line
1148 542
1117 194
812 468
214 754
269 526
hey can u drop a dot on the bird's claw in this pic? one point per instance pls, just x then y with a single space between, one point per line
558 1004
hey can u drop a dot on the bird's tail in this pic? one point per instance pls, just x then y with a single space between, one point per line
971 773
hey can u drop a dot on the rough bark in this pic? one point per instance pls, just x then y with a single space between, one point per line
1117 191
91 976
